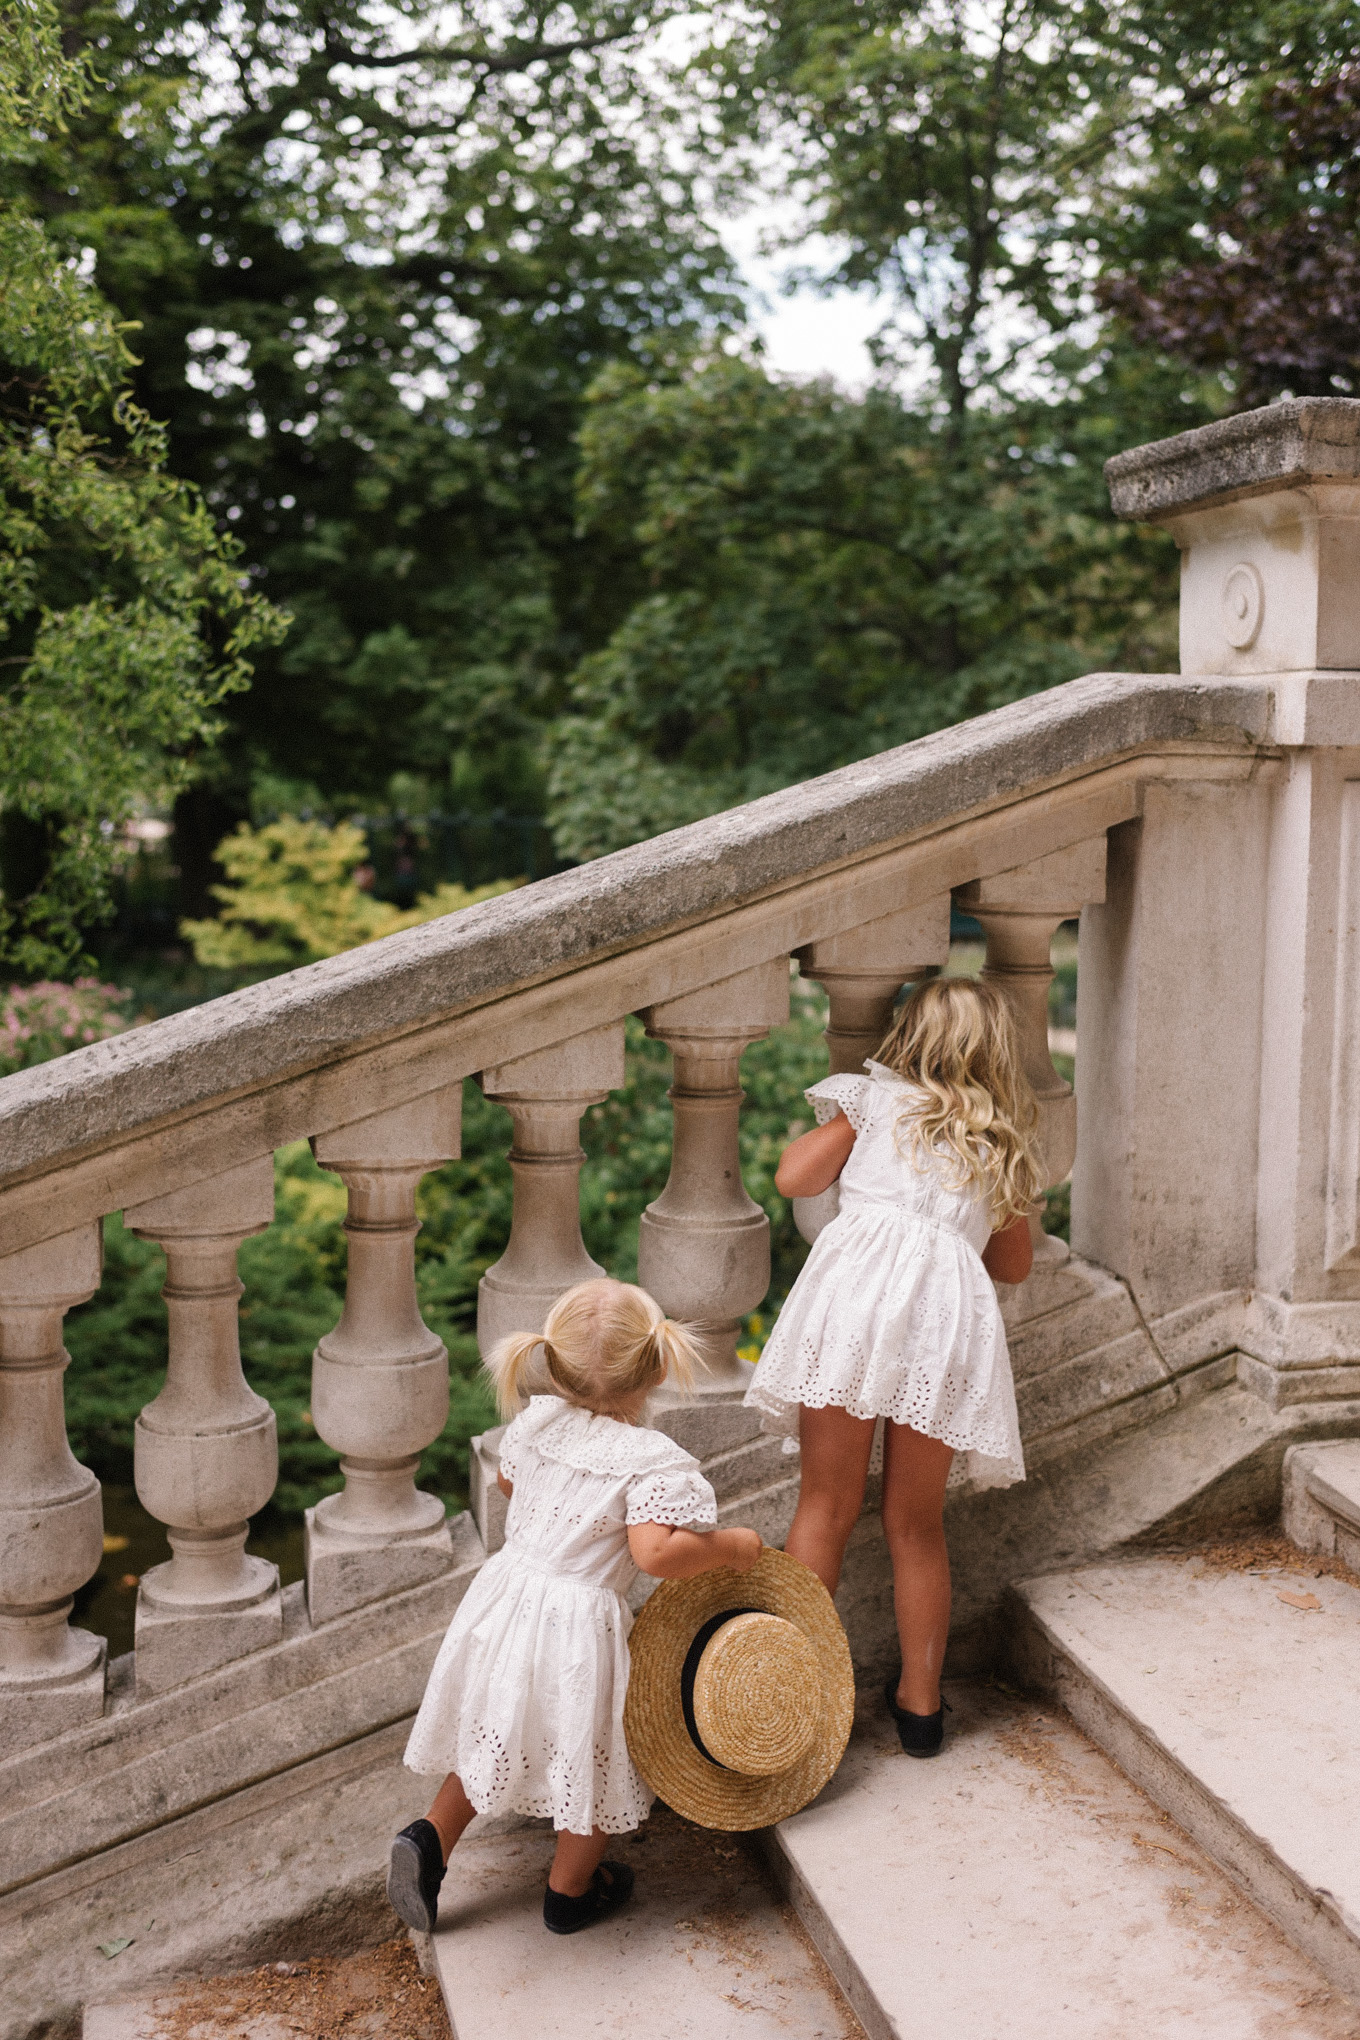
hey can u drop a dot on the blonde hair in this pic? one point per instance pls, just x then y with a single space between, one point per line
955 1039
603 1341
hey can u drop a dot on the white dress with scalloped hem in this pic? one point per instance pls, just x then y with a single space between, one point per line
893 1314
525 1701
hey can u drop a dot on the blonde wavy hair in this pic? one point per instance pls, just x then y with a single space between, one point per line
602 1342
955 1039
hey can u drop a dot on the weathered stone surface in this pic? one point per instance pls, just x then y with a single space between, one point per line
1321 1507
148 1761
1223 1700
704 1951
293 1866
387 992
1018 1885
1285 445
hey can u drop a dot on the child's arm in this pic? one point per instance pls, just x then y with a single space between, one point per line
812 1163
669 1554
1009 1254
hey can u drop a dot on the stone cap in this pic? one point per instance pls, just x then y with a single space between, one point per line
1281 446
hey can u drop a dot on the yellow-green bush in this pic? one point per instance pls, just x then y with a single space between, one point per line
291 898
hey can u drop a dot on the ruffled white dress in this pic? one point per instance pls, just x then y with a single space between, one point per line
525 1701
893 1314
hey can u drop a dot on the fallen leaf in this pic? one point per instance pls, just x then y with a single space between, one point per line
112 1948
1305 1601
112 1543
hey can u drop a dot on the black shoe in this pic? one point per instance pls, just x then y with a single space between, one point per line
610 1887
415 1871
919 1734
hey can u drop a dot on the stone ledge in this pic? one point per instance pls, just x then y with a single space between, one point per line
310 1019
1289 444
146 1762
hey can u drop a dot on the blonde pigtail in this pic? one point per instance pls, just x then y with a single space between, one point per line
677 1356
508 1364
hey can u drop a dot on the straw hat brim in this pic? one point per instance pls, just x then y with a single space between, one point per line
659 1741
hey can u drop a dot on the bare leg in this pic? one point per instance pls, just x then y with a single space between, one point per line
835 1449
915 1469
451 1812
575 1862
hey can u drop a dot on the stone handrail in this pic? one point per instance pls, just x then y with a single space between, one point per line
1166 811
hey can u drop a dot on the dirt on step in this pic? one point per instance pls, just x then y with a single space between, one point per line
379 1994
1264 1551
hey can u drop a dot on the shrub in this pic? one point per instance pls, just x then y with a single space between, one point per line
292 898
38 1022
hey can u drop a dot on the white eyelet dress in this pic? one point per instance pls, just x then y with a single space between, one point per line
893 1314
525 1701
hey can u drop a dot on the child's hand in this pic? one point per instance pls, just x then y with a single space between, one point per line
747 1546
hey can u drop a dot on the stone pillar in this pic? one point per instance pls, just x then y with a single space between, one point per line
546 1093
51 1515
1221 1149
206 1450
862 971
1021 911
704 1245
380 1380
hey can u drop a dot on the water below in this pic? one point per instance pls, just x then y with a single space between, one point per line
134 1542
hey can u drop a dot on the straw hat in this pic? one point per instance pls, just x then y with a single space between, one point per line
740 1693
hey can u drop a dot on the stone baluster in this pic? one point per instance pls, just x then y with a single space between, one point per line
704 1245
1020 911
864 969
206 1451
546 1093
51 1514
380 1380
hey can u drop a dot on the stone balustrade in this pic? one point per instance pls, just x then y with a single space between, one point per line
1203 827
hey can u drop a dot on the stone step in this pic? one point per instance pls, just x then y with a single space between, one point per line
1018 1887
761 1462
1322 1499
706 1950
1229 1697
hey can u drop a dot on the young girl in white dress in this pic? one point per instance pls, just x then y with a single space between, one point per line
524 1707
894 1314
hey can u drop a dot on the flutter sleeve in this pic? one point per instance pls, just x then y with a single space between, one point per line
520 1430
840 1094
675 1493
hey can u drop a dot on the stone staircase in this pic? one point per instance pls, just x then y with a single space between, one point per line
1227 1696
1157 1836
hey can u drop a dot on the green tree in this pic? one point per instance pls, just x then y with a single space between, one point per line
124 617
812 576
1273 296
375 267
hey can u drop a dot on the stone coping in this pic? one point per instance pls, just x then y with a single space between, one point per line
307 1019
1289 444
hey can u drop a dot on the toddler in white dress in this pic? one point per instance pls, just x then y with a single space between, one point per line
894 1314
524 1707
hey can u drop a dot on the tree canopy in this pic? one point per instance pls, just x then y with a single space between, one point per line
433 310
124 617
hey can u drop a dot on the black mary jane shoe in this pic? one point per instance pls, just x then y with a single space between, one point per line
610 1887
919 1734
415 1871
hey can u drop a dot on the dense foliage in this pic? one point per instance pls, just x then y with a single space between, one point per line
375 268
291 897
124 618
